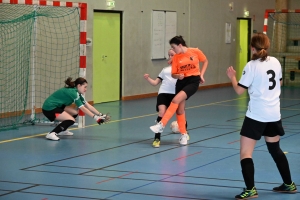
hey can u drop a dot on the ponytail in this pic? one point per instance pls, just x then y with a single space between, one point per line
71 84
261 43
261 54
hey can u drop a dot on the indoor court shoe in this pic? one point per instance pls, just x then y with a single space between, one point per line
247 194
286 188
157 128
65 133
188 136
156 143
52 136
183 139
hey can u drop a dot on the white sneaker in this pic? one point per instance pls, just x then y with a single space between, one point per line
65 133
157 128
183 139
52 136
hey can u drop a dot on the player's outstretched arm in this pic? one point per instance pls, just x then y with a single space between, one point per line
151 81
99 118
231 73
86 111
91 108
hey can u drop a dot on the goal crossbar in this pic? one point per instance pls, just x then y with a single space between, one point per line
269 11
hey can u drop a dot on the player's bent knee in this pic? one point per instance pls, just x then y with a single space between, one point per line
274 149
66 124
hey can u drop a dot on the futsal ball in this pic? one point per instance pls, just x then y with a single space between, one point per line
174 127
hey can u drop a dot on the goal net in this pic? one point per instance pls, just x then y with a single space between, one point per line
283 29
40 48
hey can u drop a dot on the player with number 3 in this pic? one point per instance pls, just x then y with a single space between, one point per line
262 77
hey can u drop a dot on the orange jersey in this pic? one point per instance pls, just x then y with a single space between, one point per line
188 63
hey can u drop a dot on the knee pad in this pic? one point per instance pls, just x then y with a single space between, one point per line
274 149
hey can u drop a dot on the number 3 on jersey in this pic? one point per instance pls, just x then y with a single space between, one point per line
272 79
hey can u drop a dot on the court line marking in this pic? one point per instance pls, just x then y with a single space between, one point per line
115 178
103 190
113 121
92 169
187 156
233 142
133 193
282 108
178 174
102 150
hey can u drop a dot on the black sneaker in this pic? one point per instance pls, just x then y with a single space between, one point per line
247 194
286 188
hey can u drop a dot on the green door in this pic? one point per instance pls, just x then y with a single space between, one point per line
106 56
242 46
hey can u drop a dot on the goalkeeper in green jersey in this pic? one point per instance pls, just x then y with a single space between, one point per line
57 107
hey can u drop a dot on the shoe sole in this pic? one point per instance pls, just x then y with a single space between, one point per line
155 146
52 139
255 196
65 134
154 131
291 192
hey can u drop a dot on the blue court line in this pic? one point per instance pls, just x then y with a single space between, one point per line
282 138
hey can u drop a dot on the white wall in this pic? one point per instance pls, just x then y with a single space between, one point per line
201 22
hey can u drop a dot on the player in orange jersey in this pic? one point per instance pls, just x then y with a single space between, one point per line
186 69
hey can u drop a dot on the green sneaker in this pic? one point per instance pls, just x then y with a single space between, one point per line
247 194
286 188
156 143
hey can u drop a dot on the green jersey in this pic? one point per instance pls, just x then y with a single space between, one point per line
64 97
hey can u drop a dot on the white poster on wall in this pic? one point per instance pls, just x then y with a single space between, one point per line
227 33
164 27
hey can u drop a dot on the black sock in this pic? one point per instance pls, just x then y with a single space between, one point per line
281 161
64 125
158 119
248 172
157 136
283 168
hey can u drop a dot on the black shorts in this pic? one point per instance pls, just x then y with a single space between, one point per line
51 114
164 99
254 129
189 85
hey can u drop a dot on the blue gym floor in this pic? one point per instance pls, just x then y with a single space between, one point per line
117 161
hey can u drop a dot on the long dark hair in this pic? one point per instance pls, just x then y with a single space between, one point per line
261 43
178 40
72 84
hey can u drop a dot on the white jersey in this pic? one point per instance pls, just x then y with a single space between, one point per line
262 79
167 82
